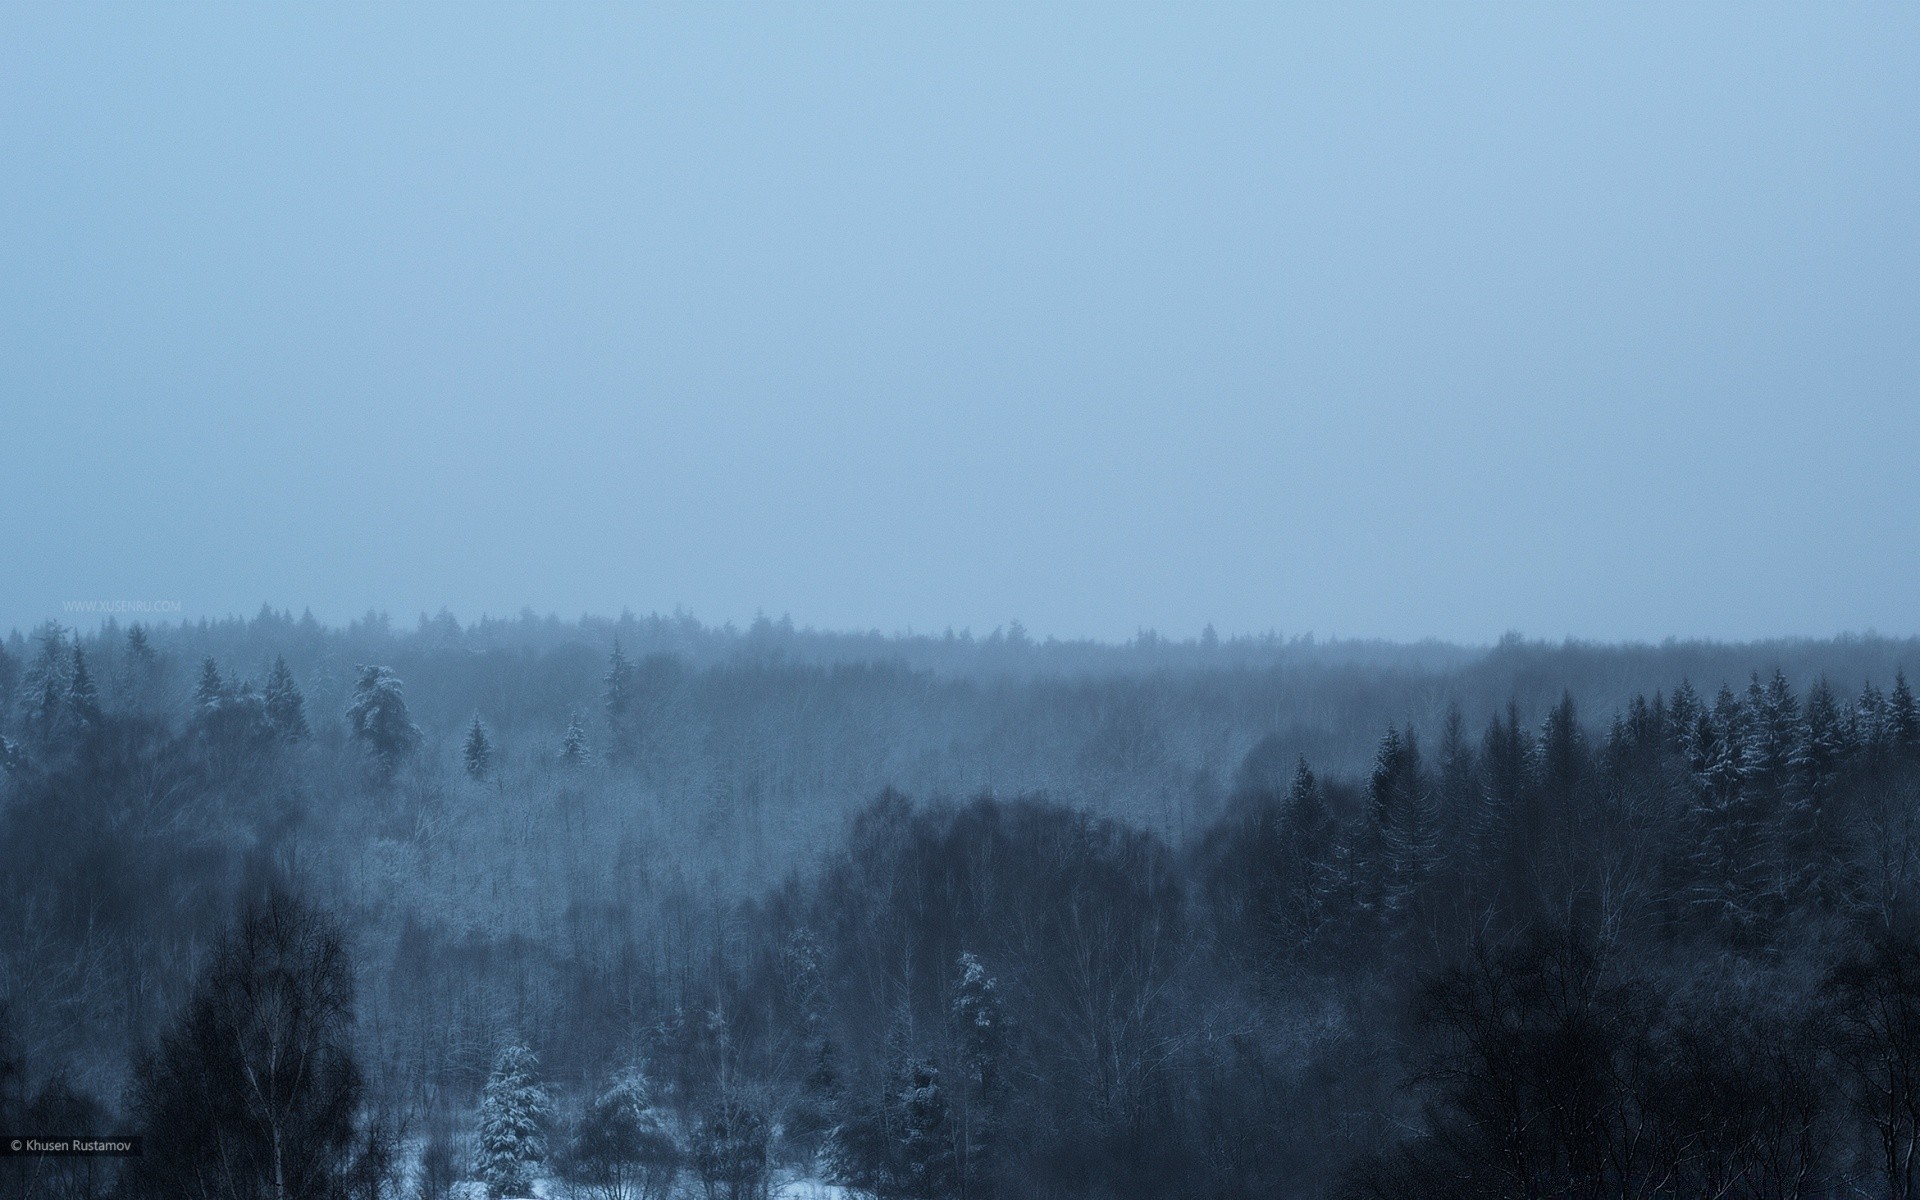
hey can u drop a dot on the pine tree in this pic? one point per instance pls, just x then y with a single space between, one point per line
477 753
1903 716
619 701
210 693
1872 723
139 669
980 1024
573 747
1730 871
514 1114
1683 712
1454 791
1772 734
1404 826
623 1147
286 708
1822 747
83 699
45 686
378 717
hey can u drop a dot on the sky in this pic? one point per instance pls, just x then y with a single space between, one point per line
1435 320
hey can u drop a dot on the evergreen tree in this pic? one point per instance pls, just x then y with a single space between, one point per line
619 701
379 720
980 1023
83 699
139 670
1730 870
1903 716
210 692
573 747
1403 822
1872 724
286 708
1772 734
514 1114
1822 747
623 1147
477 753
45 686
1306 867
1683 712
1455 790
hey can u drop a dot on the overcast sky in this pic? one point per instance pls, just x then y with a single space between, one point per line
1402 321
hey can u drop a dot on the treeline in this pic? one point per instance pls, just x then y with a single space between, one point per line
601 925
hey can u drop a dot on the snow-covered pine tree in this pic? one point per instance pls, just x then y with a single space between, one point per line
623 1147
1307 836
476 754
980 1026
1401 808
1904 716
286 708
1872 723
514 1115
210 689
139 669
378 717
1683 712
83 699
44 686
1731 872
1771 734
619 701
573 747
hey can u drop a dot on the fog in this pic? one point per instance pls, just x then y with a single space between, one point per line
1390 322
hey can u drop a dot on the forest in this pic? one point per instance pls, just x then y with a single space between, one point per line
640 908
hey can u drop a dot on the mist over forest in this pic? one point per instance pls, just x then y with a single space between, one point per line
642 907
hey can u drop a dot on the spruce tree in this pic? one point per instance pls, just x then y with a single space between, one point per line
45 686
477 753
619 701
379 720
1683 711
1903 716
286 708
514 1114
139 669
980 1025
573 747
83 699
210 692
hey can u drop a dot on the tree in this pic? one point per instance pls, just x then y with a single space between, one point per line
255 1091
83 698
1904 716
980 1025
730 1151
477 753
44 688
514 1115
210 691
286 708
573 747
899 1144
619 701
623 1148
378 718
139 669
1874 1023
436 1176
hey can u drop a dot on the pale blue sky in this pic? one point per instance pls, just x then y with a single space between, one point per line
1398 321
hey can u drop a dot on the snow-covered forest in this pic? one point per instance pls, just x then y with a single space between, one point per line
642 908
